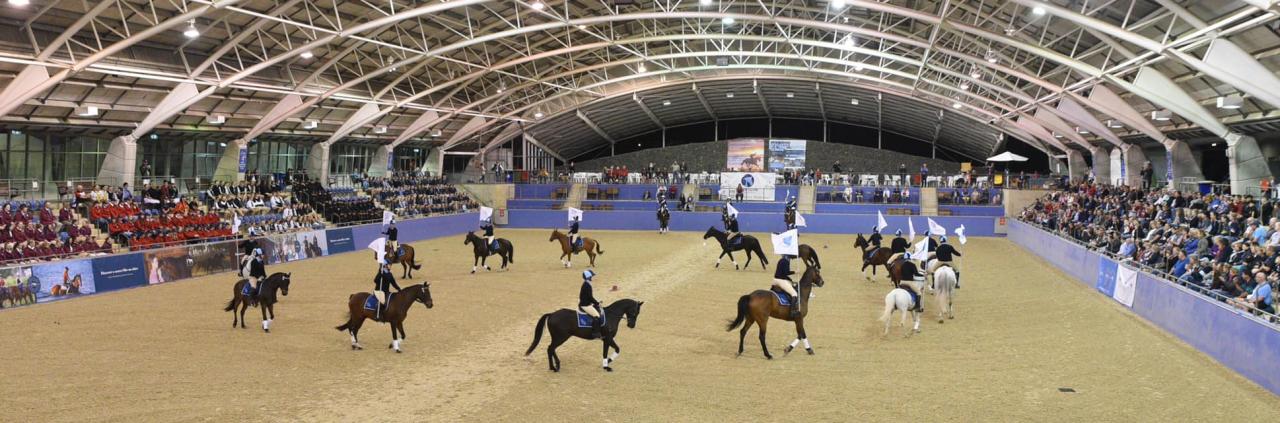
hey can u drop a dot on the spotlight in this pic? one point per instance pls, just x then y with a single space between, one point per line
728 95
641 69
380 129
191 31
1038 10
307 54
311 124
538 5
853 101
537 115
957 105
727 20
19 2
705 2
666 102
837 4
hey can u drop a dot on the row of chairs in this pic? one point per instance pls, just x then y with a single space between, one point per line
598 194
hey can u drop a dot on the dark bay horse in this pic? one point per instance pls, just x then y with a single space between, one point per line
406 260
590 246
266 299
809 255
760 305
664 221
397 309
482 252
879 258
749 244
563 324
789 218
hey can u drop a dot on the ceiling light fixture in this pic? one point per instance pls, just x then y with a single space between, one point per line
1038 10
19 2
727 20
87 111
666 102
964 85
837 4
957 105
1082 131
538 5
1161 115
1057 135
991 56
437 133
217 119
380 129
191 31
1234 101
791 95
705 2
857 67
848 41
307 54
1114 124
311 124
853 101
641 69
537 115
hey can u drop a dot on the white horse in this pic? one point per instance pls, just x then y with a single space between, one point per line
900 299
944 280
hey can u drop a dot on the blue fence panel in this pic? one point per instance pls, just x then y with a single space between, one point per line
748 222
839 208
119 272
340 241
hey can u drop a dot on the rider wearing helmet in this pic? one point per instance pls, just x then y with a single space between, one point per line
255 271
943 256
382 284
731 228
587 303
487 226
782 280
573 233
898 246
910 272
392 234
874 240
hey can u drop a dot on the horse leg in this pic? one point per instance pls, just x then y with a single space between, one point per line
484 261
616 350
355 332
747 265
763 328
395 338
722 253
474 263
235 302
592 257
244 306
732 260
552 358
604 356
742 335
266 322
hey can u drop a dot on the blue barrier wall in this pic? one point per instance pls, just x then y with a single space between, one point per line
748 222
1246 345
538 190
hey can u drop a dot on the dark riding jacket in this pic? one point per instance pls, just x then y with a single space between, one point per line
945 251
384 281
875 239
391 233
933 245
909 271
783 269
257 269
573 227
585 296
899 245
488 229
732 226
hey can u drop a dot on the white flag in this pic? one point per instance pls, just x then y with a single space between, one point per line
880 223
911 230
935 228
575 213
235 225
1126 285
732 211
960 235
800 221
787 243
922 250
379 247
388 217
485 213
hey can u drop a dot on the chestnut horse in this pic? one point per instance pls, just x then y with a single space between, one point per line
590 246
397 309
506 250
879 258
761 304
406 260
563 324
266 299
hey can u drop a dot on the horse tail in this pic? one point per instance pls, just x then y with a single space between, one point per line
345 326
511 252
760 252
231 305
744 302
537 333
416 265
889 302
598 250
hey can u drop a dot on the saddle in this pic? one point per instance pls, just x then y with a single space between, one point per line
399 251
249 290
371 303
736 240
871 252
585 320
783 298
493 246
577 245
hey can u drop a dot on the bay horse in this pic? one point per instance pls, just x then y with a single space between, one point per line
880 257
899 299
266 299
762 304
397 309
664 221
563 324
789 218
809 255
406 260
749 244
506 250
944 283
590 246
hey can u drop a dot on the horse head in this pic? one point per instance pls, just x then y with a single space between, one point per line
284 283
424 295
712 232
470 237
555 234
813 276
861 242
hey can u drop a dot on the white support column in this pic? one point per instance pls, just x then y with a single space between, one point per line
229 169
1101 164
1076 166
318 163
1116 159
118 167
382 164
1246 165
1134 159
434 164
1179 159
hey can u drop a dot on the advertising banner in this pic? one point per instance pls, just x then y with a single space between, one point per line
17 286
755 185
64 278
303 245
786 155
119 272
244 160
1107 277
339 241
746 155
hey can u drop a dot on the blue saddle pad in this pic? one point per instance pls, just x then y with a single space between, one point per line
247 290
371 303
493 246
400 251
578 244
736 240
915 298
584 320
783 298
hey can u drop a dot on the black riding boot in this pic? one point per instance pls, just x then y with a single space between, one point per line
595 328
957 280
795 306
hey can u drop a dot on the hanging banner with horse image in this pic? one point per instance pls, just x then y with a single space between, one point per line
745 155
173 264
303 245
64 279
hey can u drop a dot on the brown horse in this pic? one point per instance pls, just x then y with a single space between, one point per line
23 293
810 256
406 260
397 308
664 221
563 324
762 304
482 252
879 257
590 246
266 298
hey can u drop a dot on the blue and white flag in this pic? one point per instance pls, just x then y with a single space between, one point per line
732 211
935 228
388 217
911 230
1126 285
379 247
787 243
575 213
486 213
921 251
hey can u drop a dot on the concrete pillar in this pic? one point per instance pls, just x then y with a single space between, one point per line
318 163
1076 166
229 165
1246 164
1181 163
1101 164
1134 159
120 164
381 165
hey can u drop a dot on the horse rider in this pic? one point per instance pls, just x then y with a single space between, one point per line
932 243
909 271
782 280
662 211
587 303
898 246
731 229
254 271
487 226
943 257
874 241
573 233
791 204
382 284
392 234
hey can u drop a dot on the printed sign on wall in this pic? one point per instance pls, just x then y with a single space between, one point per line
745 155
340 241
786 155
119 272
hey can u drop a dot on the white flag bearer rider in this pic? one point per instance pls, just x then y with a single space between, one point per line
573 233
587 303
731 227
911 273
875 239
255 271
382 284
944 256
782 280
898 246
392 234
487 226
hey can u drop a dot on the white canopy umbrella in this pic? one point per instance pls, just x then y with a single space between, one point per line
1006 157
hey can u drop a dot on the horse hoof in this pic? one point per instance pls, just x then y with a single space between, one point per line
787 350
941 321
717 265
473 272
768 357
398 351
810 350
267 330
487 269
735 267
608 369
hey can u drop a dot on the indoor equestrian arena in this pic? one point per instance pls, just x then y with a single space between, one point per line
639 211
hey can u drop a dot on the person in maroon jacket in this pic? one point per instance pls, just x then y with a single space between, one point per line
46 215
65 215
23 215
84 231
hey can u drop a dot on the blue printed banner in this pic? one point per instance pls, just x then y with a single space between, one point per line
119 272
1106 276
244 160
340 241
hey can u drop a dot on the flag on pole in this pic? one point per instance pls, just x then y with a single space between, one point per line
787 243
388 217
379 247
880 223
922 250
911 230
575 213
486 213
960 235
732 211
235 224
935 228
800 221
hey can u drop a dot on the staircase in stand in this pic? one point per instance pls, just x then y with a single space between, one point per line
576 193
807 199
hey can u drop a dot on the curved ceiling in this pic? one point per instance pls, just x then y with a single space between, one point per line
470 74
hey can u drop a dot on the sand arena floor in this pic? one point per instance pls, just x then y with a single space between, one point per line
1022 331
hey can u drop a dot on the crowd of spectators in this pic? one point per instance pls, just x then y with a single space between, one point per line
416 195
339 206
175 222
32 232
1227 247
